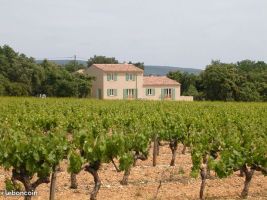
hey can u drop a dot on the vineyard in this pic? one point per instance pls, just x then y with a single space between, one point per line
41 138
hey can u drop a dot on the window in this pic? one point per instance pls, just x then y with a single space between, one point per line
130 93
150 92
112 77
168 93
130 77
112 92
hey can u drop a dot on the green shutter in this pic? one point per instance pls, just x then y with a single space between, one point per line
108 77
162 93
115 92
153 92
146 91
108 92
173 93
136 93
124 93
115 77
127 77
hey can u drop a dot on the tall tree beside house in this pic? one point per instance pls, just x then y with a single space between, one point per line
101 60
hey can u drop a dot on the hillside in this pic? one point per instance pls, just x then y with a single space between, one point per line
163 70
149 69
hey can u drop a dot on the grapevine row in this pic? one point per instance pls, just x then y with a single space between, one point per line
37 134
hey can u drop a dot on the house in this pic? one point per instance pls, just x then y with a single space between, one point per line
126 81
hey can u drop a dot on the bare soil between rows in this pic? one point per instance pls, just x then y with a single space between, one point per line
144 181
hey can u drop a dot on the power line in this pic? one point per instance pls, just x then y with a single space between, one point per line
67 57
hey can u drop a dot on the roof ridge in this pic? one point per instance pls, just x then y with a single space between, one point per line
120 67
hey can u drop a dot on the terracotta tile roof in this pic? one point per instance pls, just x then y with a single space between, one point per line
118 67
158 81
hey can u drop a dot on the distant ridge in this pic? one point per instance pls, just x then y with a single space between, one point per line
149 69
163 70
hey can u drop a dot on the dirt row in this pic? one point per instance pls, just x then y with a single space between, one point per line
144 181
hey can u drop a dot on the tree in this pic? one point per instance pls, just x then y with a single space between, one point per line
220 81
192 91
175 75
248 92
186 80
22 76
140 65
101 60
84 85
73 66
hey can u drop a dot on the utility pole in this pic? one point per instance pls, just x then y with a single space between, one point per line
74 61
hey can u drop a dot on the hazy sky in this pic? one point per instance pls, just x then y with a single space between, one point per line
182 33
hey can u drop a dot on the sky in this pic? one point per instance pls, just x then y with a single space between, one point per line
181 33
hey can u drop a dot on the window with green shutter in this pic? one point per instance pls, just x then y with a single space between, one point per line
108 77
124 93
133 77
111 92
150 91
130 93
112 77
130 77
166 93
162 94
153 92
173 94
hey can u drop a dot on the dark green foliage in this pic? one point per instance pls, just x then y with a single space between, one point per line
73 66
101 60
242 81
21 76
140 65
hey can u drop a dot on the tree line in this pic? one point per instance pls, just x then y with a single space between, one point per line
22 76
242 81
